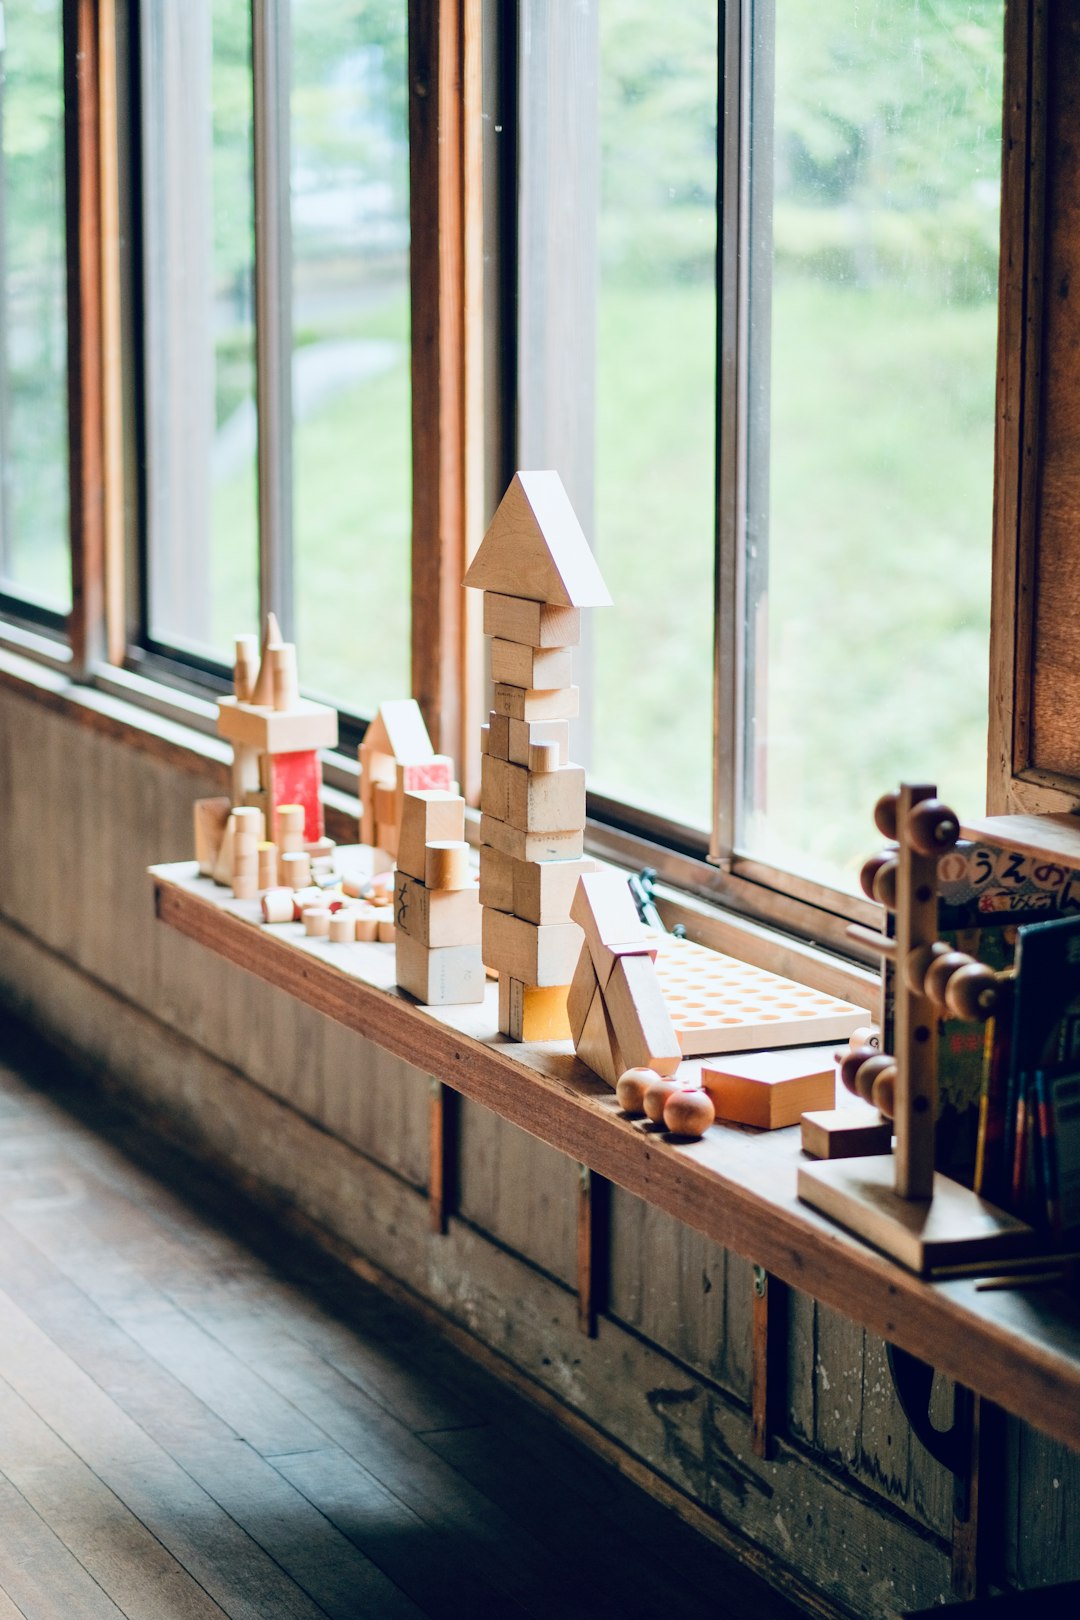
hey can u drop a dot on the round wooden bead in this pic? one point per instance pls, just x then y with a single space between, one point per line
868 1072
852 1061
631 1086
885 815
870 869
655 1096
940 972
689 1113
883 1092
885 884
866 1035
918 964
932 828
972 992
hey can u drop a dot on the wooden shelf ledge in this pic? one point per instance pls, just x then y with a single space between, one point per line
1020 1349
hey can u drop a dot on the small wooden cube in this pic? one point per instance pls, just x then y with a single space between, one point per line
537 954
430 814
445 976
845 1133
534 624
535 667
551 802
527 703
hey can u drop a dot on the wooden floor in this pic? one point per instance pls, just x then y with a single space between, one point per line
201 1416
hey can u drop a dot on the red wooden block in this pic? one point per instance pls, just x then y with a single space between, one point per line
296 779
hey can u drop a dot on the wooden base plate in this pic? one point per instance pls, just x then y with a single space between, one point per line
952 1227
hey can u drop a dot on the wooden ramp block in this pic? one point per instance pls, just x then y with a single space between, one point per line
443 976
427 816
604 908
639 1016
534 547
526 703
583 989
771 1089
845 1133
543 891
530 1012
211 816
523 736
533 624
952 1227
542 668
537 954
436 916
527 846
551 801
597 1046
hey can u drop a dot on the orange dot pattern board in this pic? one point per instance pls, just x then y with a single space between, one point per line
719 1004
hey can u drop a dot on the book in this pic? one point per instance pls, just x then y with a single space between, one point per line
1043 1112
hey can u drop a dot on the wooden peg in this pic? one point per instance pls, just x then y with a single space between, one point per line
263 691
343 927
317 921
294 868
245 667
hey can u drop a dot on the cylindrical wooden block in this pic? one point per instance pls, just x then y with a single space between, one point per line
294 868
446 865
245 667
543 757
247 820
342 927
386 931
245 886
290 826
277 906
284 675
367 924
317 921
245 865
268 866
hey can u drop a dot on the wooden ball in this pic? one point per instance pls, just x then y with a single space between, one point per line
885 884
852 1061
972 992
870 869
866 1035
883 1092
867 1073
940 972
689 1113
885 815
631 1086
918 964
932 828
655 1096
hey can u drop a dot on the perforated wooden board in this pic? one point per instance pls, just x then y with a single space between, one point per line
718 1004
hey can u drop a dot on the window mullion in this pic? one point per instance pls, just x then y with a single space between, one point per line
273 307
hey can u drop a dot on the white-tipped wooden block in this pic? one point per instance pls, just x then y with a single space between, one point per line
551 802
538 668
640 1018
343 927
294 868
283 674
544 890
429 816
278 906
268 865
494 780
522 735
245 667
437 916
211 817
249 822
527 846
533 624
446 864
316 921
537 954
496 879
448 976
525 703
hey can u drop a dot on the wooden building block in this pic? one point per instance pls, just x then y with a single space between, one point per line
845 1133
771 1089
289 820
526 846
494 787
528 1012
543 668
639 1016
427 816
543 891
317 921
446 865
524 703
497 880
436 916
445 976
533 624
551 802
597 1045
523 735
385 929
285 676
245 667
294 869
304 725
423 776
544 756
537 954
294 778
211 816
498 735
583 989
534 547
604 908
343 927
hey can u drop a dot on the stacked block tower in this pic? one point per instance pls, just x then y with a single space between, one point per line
537 573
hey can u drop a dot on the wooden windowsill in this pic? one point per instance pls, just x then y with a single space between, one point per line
1019 1348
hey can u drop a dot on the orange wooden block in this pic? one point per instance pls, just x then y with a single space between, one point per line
771 1089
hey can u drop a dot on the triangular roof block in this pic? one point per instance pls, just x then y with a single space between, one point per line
399 730
535 549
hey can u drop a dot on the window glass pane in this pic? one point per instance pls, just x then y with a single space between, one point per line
874 247
34 555
198 204
655 405
351 400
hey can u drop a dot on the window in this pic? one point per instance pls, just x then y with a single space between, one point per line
34 557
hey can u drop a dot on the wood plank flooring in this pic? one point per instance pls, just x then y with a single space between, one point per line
202 1416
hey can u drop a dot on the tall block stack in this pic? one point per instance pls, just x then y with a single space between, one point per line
537 573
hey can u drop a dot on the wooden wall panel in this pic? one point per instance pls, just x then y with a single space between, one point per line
519 1190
